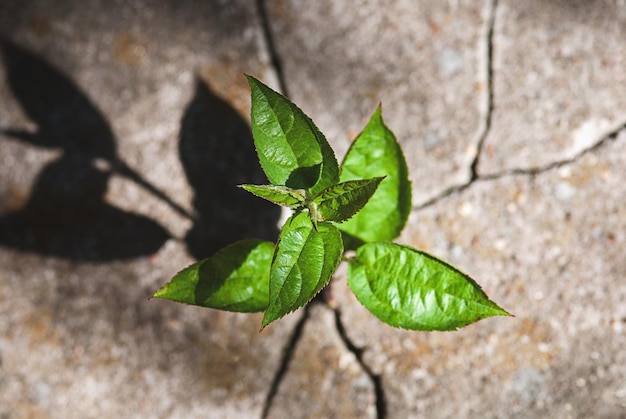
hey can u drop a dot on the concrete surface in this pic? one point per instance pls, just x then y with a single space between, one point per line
124 128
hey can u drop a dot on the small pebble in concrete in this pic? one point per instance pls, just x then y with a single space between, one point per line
450 62
563 191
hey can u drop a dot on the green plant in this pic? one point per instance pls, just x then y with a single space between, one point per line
360 205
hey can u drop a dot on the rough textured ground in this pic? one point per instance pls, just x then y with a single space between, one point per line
124 128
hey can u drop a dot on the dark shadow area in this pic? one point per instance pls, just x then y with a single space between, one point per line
67 217
304 177
66 214
217 152
64 116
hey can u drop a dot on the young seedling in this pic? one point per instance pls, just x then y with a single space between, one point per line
361 205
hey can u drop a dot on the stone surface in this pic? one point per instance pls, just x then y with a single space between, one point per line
83 341
557 80
424 61
556 263
124 128
160 87
320 373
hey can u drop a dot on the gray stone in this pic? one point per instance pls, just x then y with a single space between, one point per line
341 59
324 378
80 339
557 80
536 256
450 62
541 227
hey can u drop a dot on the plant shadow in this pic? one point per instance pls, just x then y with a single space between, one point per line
66 214
217 153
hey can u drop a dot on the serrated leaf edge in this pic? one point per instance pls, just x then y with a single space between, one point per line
326 282
448 265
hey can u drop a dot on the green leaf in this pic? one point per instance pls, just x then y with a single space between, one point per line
234 279
304 261
407 288
340 202
279 195
375 152
292 151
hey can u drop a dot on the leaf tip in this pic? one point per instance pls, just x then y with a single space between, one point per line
378 113
498 311
160 293
266 322
505 313
252 81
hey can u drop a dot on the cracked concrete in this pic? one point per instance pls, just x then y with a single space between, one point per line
513 119
320 369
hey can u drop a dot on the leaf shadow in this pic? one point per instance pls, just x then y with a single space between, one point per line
66 215
217 152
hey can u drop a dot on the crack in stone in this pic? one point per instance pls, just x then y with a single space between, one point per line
268 37
381 405
290 348
530 171
486 127
288 353
296 334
